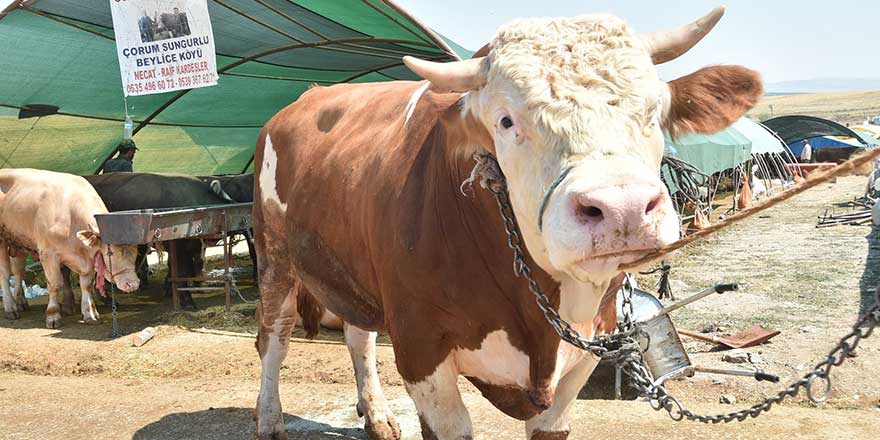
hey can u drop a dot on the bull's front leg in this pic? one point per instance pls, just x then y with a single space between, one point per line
379 422
55 280
87 305
553 424
18 264
9 308
442 413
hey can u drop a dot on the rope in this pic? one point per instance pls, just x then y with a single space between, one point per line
814 180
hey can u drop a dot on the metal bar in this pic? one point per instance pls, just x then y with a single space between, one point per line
396 21
293 20
226 262
198 289
65 22
105 118
172 262
759 375
264 53
292 37
422 27
151 225
202 279
618 382
280 78
718 288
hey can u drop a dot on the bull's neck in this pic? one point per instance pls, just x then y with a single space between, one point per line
465 136
478 209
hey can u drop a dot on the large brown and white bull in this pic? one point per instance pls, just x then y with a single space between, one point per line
358 201
52 216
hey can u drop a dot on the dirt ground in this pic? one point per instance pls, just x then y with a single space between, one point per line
198 379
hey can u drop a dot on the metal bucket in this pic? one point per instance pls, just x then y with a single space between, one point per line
662 349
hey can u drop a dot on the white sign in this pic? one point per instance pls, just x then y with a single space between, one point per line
164 45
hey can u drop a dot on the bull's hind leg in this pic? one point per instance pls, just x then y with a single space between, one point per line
379 422
11 311
18 264
68 301
276 316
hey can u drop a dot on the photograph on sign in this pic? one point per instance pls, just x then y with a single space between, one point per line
162 26
164 45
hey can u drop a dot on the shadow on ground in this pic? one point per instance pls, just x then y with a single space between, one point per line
236 423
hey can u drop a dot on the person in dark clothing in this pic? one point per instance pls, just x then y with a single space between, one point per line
170 23
146 25
123 163
182 24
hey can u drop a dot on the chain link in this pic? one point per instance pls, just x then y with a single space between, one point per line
114 314
615 346
623 347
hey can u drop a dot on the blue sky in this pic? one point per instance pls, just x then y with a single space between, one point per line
783 39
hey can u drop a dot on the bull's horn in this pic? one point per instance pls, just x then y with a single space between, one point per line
669 45
457 76
483 51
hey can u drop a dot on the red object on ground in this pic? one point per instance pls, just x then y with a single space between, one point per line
745 195
805 169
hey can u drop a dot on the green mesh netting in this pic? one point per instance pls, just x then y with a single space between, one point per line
61 53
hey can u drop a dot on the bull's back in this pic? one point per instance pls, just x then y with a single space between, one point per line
39 207
131 191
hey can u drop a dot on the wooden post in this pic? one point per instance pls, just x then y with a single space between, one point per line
172 269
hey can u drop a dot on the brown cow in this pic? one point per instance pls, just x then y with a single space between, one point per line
52 216
358 200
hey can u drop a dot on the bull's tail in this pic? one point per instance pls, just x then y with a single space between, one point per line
310 311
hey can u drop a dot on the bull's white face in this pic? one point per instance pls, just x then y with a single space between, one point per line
579 100
574 107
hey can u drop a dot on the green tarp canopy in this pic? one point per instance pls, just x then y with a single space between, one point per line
61 53
726 149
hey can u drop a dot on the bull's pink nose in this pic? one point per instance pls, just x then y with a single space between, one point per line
619 207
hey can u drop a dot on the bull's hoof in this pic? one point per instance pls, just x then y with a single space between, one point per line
67 309
279 435
13 315
91 321
22 305
383 429
53 321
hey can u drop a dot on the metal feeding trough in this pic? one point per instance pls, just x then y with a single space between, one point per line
148 226
662 349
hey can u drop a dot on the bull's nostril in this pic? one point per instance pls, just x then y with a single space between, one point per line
590 212
652 205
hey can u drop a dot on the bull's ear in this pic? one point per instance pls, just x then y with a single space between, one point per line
89 238
710 99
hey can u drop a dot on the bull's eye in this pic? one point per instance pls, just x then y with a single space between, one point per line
506 122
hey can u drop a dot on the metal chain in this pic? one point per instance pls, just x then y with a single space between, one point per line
115 333
660 398
623 346
237 291
604 346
